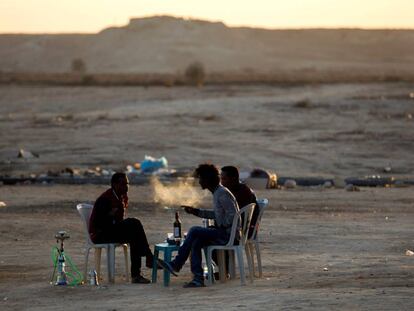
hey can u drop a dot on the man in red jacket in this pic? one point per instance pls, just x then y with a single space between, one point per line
109 225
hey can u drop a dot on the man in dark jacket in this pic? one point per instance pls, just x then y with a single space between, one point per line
244 195
108 224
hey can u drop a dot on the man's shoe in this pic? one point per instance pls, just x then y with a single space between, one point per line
194 284
167 266
140 280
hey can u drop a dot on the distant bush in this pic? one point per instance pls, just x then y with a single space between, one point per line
78 65
195 74
304 103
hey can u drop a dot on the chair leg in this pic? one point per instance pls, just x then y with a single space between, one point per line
259 259
222 265
210 266
110 255
241 266
232 264
250 247
125 247
98 252
85 271
249 263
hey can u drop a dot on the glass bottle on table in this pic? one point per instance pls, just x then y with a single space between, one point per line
177 229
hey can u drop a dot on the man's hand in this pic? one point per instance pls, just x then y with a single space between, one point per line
189 209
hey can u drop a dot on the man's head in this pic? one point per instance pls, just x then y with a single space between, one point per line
229 176
120 183
208 176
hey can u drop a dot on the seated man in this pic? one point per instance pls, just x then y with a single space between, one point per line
109 225
225 207
243 194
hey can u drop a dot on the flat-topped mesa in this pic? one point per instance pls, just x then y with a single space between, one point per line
169 21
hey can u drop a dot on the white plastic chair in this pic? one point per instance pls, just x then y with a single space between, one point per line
252 244
85 211
246 212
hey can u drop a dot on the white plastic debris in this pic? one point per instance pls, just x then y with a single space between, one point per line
2 204
351 187
27 154
290 184
409 253
327 184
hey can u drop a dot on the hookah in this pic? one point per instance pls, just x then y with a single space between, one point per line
59 264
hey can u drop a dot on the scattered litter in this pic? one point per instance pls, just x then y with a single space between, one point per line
386 217
325 269
259 179
327 184
5 298
387 169
304 103
409 253
243 175
339 182
400 183
151 164
2 204
267 279
351 188
290 184
106 172
27 154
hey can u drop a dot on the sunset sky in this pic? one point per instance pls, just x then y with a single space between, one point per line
51 16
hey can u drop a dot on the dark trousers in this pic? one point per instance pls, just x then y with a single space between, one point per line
131 231
197 238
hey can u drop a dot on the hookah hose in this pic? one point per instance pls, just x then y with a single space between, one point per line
74 275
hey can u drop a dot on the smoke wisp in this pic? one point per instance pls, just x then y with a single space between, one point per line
176 194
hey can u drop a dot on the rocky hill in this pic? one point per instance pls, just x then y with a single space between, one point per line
165 44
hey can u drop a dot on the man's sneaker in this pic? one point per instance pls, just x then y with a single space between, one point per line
194 283
140 280
167 266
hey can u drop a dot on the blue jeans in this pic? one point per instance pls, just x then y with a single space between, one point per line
197 238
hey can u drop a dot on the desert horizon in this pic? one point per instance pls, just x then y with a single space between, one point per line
177 43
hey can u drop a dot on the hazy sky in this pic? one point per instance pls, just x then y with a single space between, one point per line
32 16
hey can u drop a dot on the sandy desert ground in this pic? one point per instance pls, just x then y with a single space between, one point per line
326 130
323 249
360 238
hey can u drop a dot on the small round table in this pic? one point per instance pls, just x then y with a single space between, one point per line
168 249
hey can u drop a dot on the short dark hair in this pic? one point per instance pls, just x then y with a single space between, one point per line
117 177
209 172
231 171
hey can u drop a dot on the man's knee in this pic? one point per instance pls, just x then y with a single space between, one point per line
194 232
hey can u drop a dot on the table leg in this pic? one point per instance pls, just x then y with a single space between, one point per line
167 258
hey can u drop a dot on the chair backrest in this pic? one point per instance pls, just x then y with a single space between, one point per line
262 203
246 214
85 211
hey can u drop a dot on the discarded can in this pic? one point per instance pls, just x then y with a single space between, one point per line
93 278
